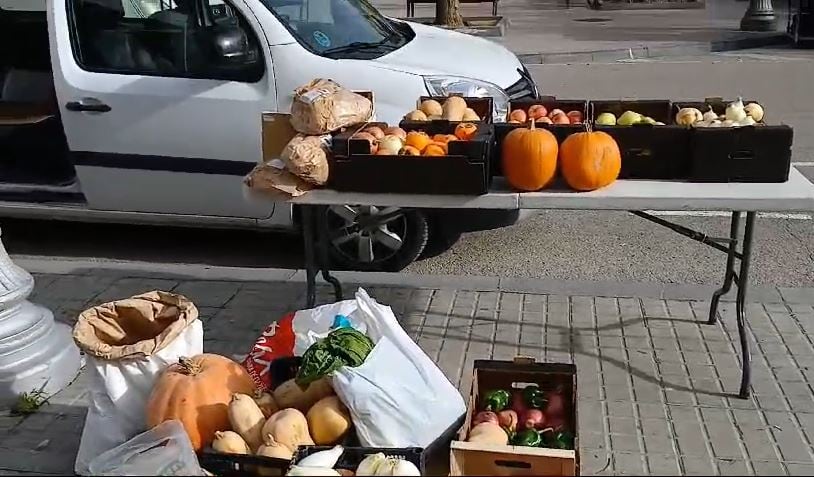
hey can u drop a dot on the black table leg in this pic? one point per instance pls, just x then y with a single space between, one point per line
324 259
310 263
729 275
743 282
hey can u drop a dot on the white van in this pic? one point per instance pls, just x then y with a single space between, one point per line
148 111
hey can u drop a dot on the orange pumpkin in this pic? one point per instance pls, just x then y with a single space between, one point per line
466 131
590 160
417 139
197 391
435 149
444 138
409 151
529 158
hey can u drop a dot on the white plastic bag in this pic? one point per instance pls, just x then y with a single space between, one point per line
408 408
127 344
163 450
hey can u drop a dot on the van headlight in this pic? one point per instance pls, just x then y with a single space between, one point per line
446 85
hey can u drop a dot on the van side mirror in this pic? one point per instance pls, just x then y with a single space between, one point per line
233 53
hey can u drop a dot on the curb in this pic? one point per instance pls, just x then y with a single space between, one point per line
193 272
642 52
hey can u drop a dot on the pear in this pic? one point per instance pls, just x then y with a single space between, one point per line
606 119
628 118
648 120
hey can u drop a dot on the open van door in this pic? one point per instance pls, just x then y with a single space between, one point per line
161 102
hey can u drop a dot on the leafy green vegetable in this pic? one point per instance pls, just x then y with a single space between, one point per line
342 347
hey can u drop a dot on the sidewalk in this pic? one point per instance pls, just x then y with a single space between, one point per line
544 31
653 381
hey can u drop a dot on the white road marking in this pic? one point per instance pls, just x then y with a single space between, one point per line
802 163
723 213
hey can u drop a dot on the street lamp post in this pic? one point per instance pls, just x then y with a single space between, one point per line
759 16
36 353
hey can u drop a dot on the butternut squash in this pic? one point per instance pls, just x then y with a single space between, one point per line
289 394
289 427
230 443
267 404
454 109
247 419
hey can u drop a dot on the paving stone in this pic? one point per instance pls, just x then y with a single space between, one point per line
662 464
788 438
770 467
127 287
208 293
732 467
800 469
696 466
628 464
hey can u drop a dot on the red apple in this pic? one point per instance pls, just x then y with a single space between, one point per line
537 111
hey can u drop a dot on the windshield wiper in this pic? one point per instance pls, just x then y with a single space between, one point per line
358 46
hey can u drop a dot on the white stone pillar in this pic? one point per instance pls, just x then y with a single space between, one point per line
35 351
759 16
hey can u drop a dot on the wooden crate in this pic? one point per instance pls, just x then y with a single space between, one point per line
468 458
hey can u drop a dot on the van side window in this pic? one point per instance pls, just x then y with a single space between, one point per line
206 39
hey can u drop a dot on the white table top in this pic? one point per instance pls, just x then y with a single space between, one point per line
794 195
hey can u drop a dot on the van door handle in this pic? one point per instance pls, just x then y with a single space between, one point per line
90 105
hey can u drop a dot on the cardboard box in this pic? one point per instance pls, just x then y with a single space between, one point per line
472 458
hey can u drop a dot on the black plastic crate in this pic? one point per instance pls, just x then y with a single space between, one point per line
237 465
465 170
560 131
484 108
352 456
648 151
760 153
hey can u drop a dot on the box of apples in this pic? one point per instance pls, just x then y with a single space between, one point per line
562 117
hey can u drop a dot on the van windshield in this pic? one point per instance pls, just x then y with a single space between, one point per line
340 28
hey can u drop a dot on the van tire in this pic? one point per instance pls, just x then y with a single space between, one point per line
411 226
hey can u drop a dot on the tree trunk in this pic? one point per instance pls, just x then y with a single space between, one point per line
447 12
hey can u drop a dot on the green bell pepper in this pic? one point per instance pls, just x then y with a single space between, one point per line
534 397
559 440
528 438
496 400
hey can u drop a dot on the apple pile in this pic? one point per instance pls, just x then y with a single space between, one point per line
539 114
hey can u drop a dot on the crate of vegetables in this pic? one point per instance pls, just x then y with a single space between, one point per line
562 117
651 144
521 420
449 109
730 141
431 158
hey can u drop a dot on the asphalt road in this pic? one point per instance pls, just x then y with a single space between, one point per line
556 245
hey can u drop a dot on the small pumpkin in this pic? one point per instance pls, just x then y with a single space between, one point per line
529 158
435 149
197 392
417 139
466 131
590 160
444 138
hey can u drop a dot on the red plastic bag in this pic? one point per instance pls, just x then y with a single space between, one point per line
276 341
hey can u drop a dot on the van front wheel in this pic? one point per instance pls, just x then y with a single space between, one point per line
370 238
